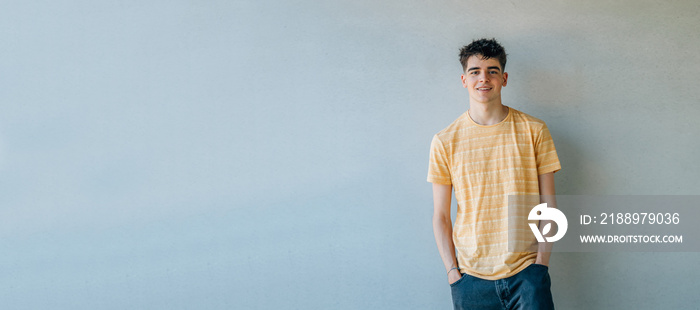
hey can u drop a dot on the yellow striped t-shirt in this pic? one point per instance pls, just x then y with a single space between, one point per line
485 164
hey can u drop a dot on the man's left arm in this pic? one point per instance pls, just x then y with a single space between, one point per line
546 182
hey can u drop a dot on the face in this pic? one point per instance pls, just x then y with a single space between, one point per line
484 79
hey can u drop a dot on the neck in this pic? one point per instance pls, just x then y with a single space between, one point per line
487 114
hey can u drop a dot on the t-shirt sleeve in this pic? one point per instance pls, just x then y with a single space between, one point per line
545 153
439 168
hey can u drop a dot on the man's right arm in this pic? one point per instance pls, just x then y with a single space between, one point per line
442 228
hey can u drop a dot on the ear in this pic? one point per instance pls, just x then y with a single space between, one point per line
505 78
464 80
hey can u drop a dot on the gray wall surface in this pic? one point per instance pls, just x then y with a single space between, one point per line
273 154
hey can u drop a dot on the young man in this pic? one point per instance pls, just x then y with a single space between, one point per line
490 151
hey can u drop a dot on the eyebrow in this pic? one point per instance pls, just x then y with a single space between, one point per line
476 68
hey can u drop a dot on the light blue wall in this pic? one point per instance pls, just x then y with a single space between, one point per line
273 154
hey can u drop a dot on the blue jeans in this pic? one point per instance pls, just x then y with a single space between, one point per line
528 289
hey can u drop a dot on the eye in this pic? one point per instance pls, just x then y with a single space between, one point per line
494 72
474 73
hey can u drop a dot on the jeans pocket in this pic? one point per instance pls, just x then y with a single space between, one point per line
542 273
464 275
540 266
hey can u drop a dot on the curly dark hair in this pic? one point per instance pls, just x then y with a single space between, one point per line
487 48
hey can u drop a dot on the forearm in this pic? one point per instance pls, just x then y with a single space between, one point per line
442 228
544 249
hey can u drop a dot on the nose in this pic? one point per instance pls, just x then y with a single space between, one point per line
483 77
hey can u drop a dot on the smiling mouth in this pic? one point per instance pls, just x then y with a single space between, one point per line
483 88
